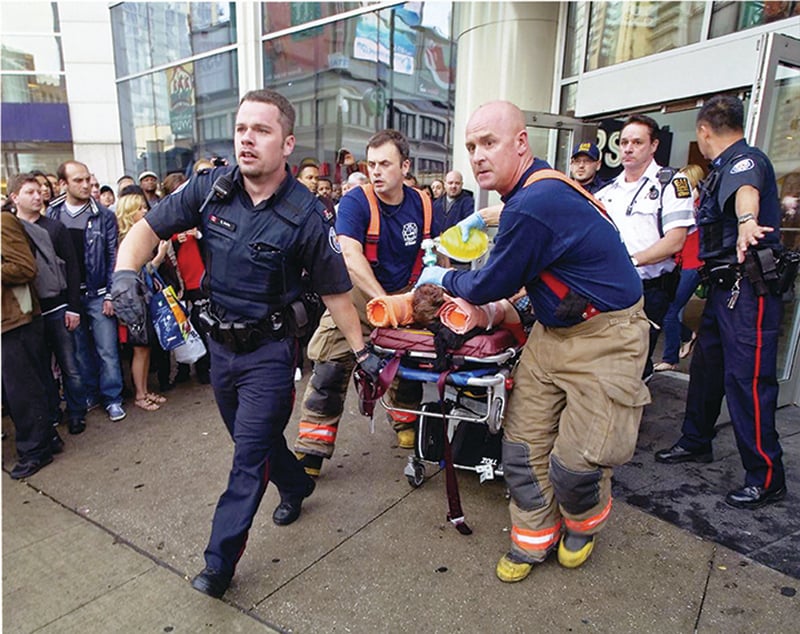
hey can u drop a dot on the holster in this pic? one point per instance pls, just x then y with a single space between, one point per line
761 268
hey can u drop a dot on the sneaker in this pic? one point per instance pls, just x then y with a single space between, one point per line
28 468
90 405
574 550
115 412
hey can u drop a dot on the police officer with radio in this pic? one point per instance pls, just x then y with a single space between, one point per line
262 229
736 351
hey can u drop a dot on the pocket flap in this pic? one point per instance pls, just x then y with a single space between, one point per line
626 390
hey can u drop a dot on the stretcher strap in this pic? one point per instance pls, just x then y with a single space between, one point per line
455 515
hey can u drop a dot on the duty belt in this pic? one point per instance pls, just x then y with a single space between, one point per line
723 276
243 337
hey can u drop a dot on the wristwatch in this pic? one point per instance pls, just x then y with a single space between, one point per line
745 218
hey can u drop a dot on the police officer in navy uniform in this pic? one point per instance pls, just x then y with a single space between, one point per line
736 351
262 229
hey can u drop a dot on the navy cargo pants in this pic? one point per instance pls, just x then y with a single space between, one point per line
255 395
736 357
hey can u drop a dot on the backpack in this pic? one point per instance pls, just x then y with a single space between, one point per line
51 270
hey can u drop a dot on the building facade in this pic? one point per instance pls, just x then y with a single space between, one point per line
147 85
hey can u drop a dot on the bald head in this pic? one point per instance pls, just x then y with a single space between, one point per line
453 184
497 143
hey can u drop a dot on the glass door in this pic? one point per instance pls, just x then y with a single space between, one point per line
551 138
774 126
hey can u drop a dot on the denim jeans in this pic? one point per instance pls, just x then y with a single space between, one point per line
60 342
674 330
97 352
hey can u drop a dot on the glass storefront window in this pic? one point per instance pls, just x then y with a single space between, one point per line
33 88
283 15
576 28
347 81
729 17
173 117
29 17
622 31
150 34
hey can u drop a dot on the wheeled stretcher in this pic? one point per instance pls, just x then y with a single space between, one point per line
468 401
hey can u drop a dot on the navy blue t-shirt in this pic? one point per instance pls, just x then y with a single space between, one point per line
550 226
399 238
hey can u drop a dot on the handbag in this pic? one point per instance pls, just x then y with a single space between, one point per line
167 314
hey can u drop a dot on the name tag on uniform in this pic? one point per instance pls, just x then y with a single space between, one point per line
221 222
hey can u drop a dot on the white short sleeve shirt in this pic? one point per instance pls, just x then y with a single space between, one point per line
634 209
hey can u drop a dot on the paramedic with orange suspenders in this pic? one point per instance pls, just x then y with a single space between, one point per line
578 395
380 228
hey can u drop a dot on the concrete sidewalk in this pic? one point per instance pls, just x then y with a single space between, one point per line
105 538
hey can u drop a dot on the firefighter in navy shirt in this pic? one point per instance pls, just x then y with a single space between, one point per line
578 396
262 229
736 352
381 227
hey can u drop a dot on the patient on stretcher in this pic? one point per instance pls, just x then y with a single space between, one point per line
429 303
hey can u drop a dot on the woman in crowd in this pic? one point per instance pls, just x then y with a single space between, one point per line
678 338
130 209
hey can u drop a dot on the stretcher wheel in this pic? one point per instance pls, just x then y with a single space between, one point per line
415 474
495 418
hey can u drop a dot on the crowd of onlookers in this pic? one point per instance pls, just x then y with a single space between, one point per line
84 354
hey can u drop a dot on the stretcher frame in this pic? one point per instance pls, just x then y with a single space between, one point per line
491 373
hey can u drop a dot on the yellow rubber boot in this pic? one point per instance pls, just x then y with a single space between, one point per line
510 571
574 550
405 439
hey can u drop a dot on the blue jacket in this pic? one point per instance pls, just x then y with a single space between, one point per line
463 205
100 245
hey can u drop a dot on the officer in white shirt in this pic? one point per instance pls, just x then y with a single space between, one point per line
653 209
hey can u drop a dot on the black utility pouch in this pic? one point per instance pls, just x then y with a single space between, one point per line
788 266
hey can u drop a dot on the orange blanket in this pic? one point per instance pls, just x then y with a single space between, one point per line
391 310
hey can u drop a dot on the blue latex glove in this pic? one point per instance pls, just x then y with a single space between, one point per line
473 221
431 275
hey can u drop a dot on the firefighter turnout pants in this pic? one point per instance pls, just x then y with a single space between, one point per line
573 415
323 401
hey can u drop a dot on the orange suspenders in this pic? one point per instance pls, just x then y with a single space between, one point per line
558 287
374 229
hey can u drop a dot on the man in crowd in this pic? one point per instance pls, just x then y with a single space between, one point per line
389 267
93 230
95 187
454 206
308 175
61 312
578 396
123 182
583 166
437 188
148 181
24 357
262 230
736 351
653 209
324 188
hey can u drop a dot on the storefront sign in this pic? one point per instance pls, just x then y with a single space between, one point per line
180 83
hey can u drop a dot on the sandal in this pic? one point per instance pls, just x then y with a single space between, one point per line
688 346
146 404
665 367
156 398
